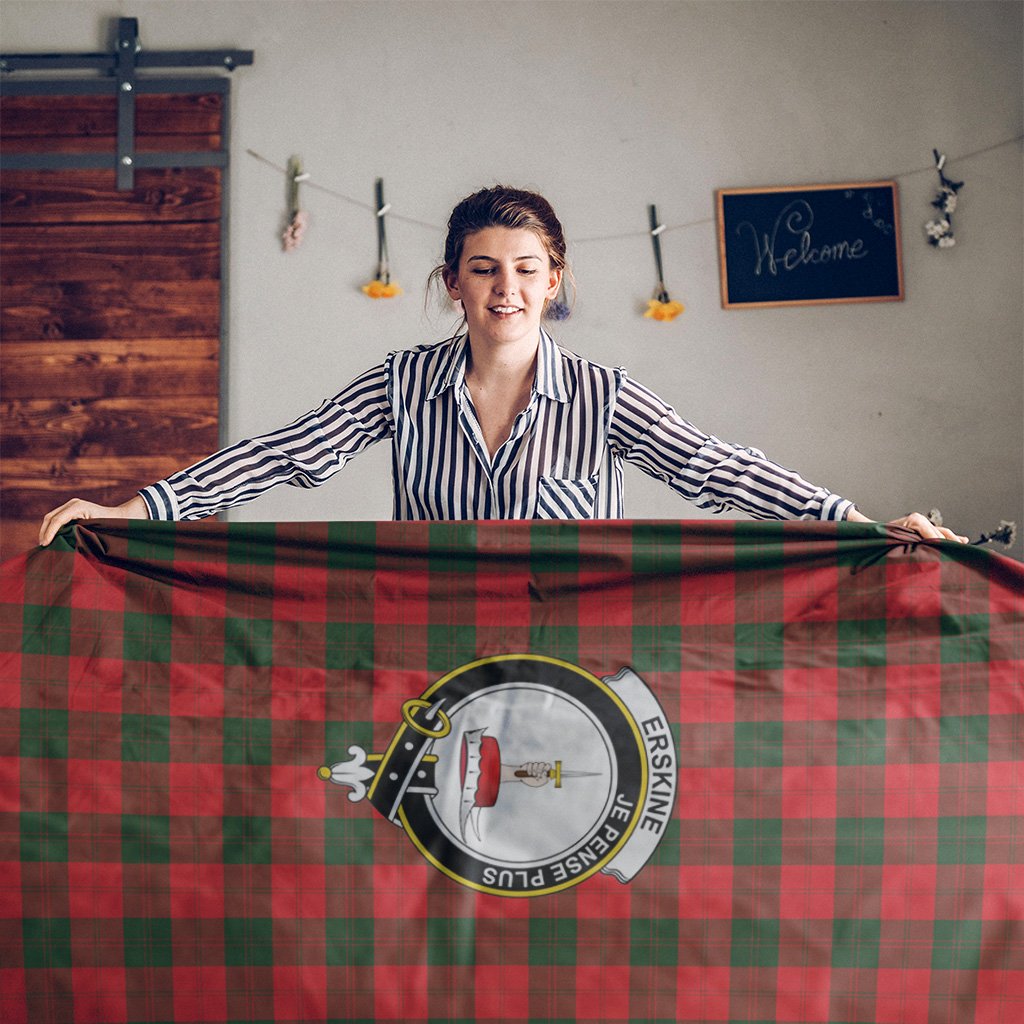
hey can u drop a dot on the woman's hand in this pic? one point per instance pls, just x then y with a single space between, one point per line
76 508
916 523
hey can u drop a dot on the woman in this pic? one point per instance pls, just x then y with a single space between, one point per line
498 422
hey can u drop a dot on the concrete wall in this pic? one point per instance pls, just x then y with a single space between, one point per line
605 107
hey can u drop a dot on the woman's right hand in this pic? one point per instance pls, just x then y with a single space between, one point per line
76 508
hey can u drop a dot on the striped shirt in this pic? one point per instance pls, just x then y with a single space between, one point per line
562 460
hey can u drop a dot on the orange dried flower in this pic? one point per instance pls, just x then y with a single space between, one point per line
657 310
380 290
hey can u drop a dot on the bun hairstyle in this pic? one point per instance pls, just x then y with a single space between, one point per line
500 207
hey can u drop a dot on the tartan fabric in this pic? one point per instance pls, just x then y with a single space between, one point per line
845 840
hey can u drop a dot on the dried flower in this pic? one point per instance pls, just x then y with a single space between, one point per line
558 308
1005 533
298 218
660 307
381 289
658 310
940 232
292 236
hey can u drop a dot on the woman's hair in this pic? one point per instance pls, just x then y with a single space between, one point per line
501 207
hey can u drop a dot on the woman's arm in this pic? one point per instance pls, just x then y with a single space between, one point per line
715 474
712 473
305 453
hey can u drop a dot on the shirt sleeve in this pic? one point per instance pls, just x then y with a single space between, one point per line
304 453
711 473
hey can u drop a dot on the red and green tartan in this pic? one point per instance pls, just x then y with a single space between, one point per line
848 833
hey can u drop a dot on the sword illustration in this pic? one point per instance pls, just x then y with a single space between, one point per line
557 773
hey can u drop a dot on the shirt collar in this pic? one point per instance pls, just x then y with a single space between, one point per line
551 376
550 379
451 370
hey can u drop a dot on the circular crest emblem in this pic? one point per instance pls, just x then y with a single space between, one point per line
522 775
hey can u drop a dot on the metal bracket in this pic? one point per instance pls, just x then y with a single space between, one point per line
123 65
128 46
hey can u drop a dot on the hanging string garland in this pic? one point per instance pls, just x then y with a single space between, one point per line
940 232
382 287
660 307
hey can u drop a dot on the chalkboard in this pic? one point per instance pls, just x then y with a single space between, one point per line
814 244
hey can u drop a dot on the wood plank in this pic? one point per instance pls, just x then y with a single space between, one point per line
110 368
118 309
100 252
72 428
108 144
53 197
155 114
32 486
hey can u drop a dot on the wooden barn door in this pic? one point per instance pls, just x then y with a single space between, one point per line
111 300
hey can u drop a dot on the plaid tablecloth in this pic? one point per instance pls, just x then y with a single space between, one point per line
510 772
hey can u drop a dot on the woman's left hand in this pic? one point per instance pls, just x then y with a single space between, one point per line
916 523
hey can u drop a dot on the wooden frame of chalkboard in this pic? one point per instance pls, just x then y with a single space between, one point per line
810 245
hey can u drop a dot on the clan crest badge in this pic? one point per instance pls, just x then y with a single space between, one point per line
523 775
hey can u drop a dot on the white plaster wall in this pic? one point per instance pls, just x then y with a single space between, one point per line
606 107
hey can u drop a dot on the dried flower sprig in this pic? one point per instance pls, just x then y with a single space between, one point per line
940 230
381 287
558 308
658 310
292 237
298 219
1005 533
660 307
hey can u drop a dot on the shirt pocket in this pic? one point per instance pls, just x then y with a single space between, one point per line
566 497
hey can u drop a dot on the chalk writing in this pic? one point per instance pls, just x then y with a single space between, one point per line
795 222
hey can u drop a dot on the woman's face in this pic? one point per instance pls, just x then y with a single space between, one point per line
504 280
